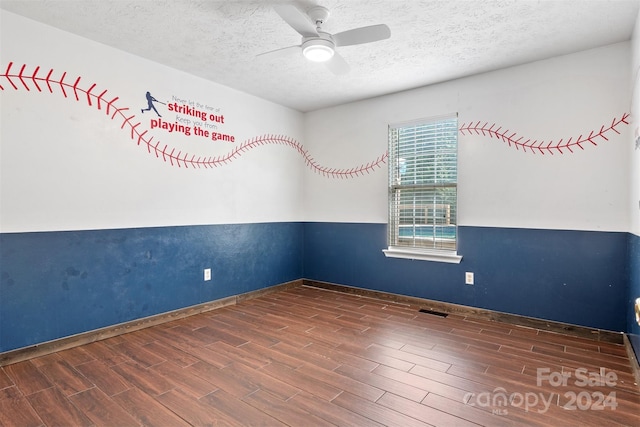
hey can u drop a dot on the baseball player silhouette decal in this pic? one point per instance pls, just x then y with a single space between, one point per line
150 106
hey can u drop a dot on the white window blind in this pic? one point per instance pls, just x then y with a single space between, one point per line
423 176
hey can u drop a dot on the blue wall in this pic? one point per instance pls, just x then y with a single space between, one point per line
633 329
56 284
577 277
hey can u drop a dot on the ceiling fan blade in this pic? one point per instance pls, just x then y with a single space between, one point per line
337 65
298 20
280 52
361 35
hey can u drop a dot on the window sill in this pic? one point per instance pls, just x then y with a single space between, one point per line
424 255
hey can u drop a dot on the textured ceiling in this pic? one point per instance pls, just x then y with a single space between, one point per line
431 40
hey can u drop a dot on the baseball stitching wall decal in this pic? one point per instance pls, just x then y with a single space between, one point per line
23 80
514 140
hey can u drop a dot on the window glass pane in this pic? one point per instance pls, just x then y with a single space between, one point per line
425 218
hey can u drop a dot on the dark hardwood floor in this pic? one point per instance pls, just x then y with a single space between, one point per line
313 357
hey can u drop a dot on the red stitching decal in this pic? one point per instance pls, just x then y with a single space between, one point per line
179 159
474 128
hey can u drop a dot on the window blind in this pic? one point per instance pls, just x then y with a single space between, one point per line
423 174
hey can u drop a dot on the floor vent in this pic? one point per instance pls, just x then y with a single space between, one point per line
435 313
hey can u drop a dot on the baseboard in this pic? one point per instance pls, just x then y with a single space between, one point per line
444 307
25 353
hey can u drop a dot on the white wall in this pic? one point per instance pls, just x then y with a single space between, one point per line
549 100
634 147
67 165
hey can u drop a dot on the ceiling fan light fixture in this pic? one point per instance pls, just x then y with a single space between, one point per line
318 50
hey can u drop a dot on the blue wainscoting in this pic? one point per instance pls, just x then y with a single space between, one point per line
633 329
576 277
56 284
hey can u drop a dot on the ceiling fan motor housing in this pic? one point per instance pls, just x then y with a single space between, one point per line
318 15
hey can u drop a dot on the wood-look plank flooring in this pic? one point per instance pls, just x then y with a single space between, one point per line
313 357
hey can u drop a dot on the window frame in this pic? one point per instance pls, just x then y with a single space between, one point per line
411 251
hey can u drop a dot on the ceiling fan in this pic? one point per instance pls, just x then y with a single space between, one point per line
319 46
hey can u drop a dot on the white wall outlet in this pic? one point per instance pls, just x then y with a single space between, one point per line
468 278
207 274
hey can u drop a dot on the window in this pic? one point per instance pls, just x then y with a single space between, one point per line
423 180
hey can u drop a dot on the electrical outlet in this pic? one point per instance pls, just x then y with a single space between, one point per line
468 278
207 274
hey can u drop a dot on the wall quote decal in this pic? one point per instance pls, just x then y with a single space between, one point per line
190 118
